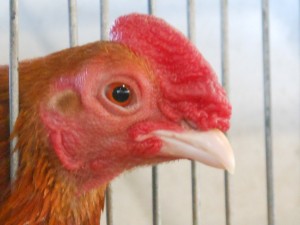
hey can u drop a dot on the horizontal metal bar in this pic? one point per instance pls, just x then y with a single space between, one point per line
14 83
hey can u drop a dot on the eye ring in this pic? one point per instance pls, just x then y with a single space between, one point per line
119 94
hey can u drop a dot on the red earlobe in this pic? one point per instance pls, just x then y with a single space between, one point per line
57 133
68 161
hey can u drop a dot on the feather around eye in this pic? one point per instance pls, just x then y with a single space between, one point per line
119 94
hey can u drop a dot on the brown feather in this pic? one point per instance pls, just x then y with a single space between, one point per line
44 193
4 132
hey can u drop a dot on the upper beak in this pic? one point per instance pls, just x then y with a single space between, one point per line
211 147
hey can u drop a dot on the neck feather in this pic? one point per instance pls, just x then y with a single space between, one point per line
44 192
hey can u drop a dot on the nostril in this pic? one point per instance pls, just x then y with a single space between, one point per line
189 124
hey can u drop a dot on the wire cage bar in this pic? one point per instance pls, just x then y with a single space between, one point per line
267 111
13 83
104 31
155 197
104 19
225 83
73 25
191 32
156 217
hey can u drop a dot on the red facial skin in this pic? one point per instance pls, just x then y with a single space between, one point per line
97 139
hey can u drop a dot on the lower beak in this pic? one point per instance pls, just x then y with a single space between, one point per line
211 147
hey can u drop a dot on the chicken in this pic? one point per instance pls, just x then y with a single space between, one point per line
89 113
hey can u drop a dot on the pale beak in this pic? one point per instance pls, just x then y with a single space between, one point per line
210 147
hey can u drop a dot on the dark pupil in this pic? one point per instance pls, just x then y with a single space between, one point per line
121 93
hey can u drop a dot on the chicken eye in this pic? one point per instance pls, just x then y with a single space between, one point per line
119 94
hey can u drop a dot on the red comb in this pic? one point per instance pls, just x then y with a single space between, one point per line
186 77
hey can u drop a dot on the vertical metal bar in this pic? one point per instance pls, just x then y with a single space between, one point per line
156 220
104 31
191 13
225 83
73 26
224 44
151 7
104 17
109 206
227 198
267 111
191 20
195 198
14 83
155 197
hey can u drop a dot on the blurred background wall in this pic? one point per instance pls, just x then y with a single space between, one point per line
44 29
